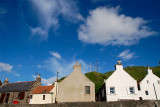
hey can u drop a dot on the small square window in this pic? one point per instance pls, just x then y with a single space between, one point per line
112 90
146 92
87 89
31 96
43 97
131 89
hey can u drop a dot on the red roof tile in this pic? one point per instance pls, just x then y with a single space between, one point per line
43 89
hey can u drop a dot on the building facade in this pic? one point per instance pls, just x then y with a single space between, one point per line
76 87
17 92
149 87
43 95
119 86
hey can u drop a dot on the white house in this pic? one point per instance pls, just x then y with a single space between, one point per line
149 87
43 95
119 86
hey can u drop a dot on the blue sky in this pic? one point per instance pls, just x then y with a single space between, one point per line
45 36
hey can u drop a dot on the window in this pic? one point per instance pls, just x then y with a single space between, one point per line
87 89
43 97
112 90
131 89
158 82
146 92
21 95
147 81
31 96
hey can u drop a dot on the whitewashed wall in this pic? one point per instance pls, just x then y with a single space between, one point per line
150 84
122 81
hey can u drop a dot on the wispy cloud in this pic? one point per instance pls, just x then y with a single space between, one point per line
106 26
5 67
39 66
19 66
65 67
126 55
48 12
56 54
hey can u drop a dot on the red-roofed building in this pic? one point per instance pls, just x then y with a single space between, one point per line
43 95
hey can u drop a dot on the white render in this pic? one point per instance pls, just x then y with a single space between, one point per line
49 97
122 82
150 83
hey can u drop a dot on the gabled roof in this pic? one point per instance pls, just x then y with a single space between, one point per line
43 89
17 86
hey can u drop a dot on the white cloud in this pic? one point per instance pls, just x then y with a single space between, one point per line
19 66
49 81
5 67
105 26
126 55
55 54
65 67
48 12
16 74
39 66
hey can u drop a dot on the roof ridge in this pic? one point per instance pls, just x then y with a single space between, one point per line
21 82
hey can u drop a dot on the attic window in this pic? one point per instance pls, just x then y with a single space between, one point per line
158 82
44 91
147 81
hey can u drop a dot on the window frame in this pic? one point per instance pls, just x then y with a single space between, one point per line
31 96
87 90
132 91
112 91
146 92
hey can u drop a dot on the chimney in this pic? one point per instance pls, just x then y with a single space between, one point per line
119 66
76 68
38 79
6 81
149 71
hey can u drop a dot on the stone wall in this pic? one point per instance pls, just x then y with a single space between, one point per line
94 104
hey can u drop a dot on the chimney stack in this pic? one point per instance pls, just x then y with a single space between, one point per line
38 79
6 81
119 66
76 68
149 71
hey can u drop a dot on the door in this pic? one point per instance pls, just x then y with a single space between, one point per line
2 97
7 97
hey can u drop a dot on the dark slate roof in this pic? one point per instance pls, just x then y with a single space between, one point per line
17 86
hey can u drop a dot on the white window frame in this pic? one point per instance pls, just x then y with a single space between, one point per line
132 91
112 91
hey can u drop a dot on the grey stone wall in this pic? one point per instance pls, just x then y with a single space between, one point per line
94 104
